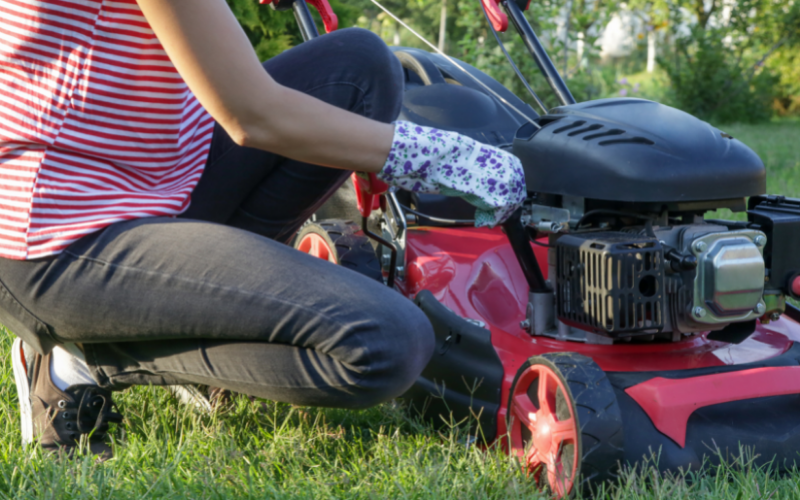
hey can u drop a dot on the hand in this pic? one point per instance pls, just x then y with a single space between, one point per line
428 160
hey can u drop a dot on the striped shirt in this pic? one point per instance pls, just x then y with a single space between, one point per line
96 124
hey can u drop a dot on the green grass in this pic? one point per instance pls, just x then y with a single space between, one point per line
778 145
166 450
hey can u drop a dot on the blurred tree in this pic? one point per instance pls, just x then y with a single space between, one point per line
726 60
271 32
654 14
718 70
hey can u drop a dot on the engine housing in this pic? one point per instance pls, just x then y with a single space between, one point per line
658 281
635 151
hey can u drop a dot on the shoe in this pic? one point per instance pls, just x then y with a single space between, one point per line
191 395
202 397
58 419
21 357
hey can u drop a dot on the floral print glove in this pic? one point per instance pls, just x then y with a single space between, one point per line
428 160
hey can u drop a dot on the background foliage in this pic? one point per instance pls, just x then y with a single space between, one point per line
723 60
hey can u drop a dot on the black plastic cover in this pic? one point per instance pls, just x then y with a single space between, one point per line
634 150
767 426
779 218
463 377
455 101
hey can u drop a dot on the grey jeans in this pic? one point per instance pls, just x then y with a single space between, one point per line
217 297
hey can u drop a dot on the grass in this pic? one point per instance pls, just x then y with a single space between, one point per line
777 144
168 451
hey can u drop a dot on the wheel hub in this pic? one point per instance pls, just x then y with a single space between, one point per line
542 431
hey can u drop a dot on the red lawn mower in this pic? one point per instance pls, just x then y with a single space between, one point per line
608 320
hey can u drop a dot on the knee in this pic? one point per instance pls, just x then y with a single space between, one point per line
372 58
404 343
368 47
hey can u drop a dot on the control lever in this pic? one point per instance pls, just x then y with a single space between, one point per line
521 244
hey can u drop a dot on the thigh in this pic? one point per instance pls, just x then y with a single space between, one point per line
167 300
163 278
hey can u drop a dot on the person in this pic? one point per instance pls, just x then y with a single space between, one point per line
153 172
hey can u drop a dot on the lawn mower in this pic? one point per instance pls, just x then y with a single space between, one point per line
608 321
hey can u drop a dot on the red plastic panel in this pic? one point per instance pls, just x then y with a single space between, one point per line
670 402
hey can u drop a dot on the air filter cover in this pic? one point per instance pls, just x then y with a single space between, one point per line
610 283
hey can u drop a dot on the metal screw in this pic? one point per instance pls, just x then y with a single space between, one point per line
775 316
760 308
525 325
760 240
700 247
699 312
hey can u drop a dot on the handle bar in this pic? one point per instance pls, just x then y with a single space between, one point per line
308 29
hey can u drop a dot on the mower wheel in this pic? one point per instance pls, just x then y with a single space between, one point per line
564 422
340 242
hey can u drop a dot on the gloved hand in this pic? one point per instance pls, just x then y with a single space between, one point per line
427 160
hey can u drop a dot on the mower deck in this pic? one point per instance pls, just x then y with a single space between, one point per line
681 402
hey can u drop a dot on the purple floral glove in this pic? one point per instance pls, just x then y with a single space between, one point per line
428 160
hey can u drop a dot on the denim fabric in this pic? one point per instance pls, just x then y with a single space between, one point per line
216 297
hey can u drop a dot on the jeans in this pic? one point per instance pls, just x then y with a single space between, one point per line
216 296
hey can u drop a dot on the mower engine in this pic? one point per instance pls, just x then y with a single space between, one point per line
679 279
624 266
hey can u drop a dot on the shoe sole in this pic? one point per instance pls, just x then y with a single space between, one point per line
23 392
189 395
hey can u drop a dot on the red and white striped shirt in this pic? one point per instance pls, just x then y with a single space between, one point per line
96 125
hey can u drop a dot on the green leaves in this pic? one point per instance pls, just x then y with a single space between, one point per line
718 70
271 32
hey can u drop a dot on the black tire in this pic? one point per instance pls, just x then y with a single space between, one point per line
599 419
350 247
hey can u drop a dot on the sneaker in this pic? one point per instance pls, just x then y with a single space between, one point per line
191 395
204 398
58 419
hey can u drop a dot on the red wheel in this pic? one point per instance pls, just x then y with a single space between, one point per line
314 244
544 430
564 422
340 242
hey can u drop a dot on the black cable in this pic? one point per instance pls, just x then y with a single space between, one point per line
532 233
511 61
455 222
619 213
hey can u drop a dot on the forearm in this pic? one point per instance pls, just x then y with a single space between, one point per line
303 128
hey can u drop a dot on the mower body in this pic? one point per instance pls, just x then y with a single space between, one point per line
685 316
717 395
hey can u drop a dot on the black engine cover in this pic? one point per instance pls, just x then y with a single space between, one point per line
634 150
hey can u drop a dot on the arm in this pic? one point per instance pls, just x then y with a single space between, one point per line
258 112
253 109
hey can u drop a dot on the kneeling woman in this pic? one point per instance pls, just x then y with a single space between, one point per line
153 171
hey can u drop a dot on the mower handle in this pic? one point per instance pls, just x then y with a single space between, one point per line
307 27
498 19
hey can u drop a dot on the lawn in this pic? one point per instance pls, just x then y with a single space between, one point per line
268 450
